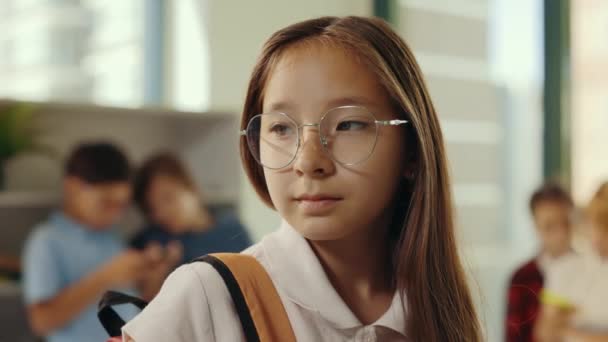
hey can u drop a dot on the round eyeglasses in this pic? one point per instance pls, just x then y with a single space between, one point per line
348 135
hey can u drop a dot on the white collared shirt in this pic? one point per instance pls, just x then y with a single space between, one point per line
194 304
546 262
583 281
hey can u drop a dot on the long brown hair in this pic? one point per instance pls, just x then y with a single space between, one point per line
427 267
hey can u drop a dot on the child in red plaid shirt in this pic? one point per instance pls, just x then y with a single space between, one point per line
551 208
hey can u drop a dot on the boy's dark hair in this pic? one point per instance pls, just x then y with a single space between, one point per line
550 192
167 164
97 163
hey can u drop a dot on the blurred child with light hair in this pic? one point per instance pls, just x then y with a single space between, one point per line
575 301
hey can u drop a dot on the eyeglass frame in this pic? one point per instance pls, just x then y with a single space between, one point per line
378 123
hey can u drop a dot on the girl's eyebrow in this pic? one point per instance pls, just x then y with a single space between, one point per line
350 101
281 106
287 106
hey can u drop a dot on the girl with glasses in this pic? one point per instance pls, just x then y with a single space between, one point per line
340 136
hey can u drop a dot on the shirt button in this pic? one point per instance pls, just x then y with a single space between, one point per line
370 334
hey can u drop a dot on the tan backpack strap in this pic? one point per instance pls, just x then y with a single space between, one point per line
261 297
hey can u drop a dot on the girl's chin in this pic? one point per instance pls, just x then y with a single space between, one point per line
322 229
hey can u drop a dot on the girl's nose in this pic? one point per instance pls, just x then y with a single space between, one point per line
312 159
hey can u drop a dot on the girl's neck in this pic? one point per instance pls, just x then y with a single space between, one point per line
359 268
552 255
355 259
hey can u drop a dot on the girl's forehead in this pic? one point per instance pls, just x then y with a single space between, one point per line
321 76
302 57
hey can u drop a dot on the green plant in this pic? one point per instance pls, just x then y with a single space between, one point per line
17 133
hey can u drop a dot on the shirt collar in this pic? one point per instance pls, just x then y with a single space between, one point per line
595 260
63 221
545 262
298 273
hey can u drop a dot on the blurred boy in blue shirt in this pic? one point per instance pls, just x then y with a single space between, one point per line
75 256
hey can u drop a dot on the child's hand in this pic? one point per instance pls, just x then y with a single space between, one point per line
163 257
154 253
158 269
559 320
160 265
173 253
125 268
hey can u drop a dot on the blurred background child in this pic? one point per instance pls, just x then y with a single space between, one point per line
551 207
75 255
575 302
176 214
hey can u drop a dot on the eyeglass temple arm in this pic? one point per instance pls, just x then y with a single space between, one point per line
391 122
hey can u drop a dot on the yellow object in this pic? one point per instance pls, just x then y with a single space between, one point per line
552 298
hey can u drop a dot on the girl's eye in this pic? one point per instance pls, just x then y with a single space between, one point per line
352 125
280 130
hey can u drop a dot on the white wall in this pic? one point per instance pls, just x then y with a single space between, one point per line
589 100
517 65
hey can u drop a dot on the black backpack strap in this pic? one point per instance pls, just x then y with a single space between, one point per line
111 321
249 329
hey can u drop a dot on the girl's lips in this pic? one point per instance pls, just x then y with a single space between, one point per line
317 205
317 197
